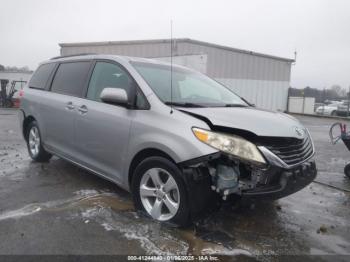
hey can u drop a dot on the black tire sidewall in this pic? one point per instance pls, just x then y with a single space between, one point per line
347 170
182 216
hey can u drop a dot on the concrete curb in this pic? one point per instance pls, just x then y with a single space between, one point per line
321 116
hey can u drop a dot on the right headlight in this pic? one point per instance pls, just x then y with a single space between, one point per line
231 144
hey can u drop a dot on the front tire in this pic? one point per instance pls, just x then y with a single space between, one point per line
160 191
34 144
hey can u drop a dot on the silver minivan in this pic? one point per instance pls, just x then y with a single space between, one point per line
172 136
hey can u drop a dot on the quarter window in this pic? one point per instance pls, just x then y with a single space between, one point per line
70 78
41 75
108 75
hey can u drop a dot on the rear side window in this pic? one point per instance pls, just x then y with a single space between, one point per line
41 75
70 78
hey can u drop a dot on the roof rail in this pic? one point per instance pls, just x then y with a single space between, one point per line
63 56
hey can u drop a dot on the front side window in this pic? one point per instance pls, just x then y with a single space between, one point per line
70 78
108 75
189 88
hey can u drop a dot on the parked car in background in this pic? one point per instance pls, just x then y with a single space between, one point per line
328 110
317 105
342 109
329 102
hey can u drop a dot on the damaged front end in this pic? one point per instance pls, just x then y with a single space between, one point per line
286 169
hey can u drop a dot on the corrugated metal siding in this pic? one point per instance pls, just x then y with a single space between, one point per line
139 50
196 62
228 64
271 95
261 79
221 63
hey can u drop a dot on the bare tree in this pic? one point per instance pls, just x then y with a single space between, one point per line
341 92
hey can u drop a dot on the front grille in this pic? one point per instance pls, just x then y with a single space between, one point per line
291 150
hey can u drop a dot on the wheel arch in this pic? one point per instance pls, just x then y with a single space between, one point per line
26 122
143 154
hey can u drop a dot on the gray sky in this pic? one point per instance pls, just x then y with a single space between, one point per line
318 29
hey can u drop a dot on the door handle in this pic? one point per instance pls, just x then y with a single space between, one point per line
70 106
83 109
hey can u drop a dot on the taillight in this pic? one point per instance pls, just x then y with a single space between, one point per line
20 96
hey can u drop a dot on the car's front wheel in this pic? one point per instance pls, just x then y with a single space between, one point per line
159 190
34 143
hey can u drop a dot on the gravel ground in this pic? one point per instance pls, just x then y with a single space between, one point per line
57 208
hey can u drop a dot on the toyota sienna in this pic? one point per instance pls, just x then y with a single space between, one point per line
170 135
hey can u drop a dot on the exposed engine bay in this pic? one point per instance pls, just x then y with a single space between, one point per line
229 176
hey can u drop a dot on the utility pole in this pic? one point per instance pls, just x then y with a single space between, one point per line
303 108
323 98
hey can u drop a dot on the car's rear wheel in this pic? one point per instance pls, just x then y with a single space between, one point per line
159 190
34 143
334 113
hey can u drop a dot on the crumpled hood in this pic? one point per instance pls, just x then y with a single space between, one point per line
258 121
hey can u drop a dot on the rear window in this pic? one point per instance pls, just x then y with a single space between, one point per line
70 78
41 75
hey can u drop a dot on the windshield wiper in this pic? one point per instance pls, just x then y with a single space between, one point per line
235 105
184 104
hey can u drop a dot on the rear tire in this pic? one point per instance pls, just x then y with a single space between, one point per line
334 113
159 190
34 143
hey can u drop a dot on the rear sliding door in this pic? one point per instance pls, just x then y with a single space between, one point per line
59 107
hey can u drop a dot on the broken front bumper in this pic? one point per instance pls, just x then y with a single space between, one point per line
269 182
286 182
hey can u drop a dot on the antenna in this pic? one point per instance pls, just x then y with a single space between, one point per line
295 57
171 66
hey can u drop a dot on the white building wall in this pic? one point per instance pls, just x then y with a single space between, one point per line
196 62
301 105
271 95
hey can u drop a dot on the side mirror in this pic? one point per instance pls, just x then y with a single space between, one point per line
112 95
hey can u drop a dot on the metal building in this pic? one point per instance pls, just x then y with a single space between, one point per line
261 79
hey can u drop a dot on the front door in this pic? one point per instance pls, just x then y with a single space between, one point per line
102 130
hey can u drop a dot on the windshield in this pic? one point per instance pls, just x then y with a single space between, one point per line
189 88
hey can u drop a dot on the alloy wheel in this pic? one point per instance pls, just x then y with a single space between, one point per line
160 195
34 141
